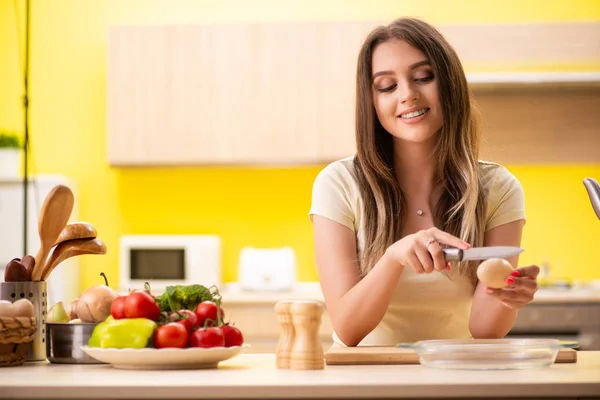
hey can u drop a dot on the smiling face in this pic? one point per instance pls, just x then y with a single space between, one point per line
405 92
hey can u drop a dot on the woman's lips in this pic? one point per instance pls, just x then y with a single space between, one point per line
414 117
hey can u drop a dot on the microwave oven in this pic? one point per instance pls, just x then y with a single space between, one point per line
168 260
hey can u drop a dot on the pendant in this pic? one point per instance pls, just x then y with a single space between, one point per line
419 212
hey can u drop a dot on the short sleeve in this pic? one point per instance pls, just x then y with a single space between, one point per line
332 196
506 199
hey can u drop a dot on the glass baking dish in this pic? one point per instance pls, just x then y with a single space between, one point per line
487 354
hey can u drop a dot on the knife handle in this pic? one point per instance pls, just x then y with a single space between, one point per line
453 254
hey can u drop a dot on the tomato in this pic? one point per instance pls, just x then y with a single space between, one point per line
186 318
141 305
233 336
170 335
207 337
139 290
207 311
117 308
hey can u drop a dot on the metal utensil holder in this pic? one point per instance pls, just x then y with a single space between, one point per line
37 293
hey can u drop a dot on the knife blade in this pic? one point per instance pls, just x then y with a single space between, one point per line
481 253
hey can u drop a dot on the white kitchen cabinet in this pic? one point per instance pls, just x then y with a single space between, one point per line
63 282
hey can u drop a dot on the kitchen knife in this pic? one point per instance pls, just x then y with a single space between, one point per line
481 253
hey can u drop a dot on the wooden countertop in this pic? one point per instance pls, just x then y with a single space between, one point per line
255 376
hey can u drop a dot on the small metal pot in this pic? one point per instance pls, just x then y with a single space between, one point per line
64 341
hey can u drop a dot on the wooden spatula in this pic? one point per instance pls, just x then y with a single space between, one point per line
77 230
69 249
54 215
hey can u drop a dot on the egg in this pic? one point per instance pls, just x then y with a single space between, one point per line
493 272
23 308
7 309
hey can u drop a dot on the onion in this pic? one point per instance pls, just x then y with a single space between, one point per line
73 309
94 303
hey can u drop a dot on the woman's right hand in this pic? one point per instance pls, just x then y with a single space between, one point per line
421 251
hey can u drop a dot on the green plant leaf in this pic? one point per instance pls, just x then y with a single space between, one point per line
9 141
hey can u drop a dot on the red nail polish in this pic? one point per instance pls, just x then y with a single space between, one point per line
515 273
448 266
510 280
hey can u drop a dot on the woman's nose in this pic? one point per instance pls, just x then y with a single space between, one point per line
407 92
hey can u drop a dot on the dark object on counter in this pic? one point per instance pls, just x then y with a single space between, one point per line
593 190
64 343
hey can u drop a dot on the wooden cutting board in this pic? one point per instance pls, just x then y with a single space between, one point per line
372 355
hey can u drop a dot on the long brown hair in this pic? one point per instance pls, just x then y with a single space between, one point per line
460 209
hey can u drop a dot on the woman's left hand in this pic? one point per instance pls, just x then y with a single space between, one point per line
520 289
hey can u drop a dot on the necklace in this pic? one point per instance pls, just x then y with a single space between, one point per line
419 212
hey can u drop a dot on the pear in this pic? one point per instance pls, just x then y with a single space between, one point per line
58 314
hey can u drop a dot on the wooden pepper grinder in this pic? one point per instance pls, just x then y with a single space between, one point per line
286 338
307 351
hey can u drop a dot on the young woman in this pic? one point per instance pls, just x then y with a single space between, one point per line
382 217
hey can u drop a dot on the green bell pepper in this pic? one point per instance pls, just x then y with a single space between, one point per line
127 333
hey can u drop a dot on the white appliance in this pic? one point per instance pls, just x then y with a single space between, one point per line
264 269
167 260
63 282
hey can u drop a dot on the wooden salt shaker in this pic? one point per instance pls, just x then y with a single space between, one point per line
307 352
286 338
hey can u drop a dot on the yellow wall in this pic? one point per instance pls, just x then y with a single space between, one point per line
257 207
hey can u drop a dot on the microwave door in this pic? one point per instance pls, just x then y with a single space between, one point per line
157 264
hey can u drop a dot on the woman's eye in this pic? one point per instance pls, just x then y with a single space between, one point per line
426 79
387 88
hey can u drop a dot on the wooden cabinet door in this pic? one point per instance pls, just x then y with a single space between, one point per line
284 93
232 94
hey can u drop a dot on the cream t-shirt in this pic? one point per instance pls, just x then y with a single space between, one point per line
423 306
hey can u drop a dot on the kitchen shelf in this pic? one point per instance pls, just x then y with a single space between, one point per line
508 80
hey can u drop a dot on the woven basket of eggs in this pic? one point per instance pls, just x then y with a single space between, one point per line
17 331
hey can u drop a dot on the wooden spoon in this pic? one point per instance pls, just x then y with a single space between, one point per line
77 230
28 262
72 248
54 215
15 272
